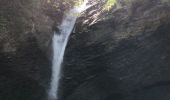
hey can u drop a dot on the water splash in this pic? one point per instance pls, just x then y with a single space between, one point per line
59 44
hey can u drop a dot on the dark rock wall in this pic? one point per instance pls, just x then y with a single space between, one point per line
124 57
25 35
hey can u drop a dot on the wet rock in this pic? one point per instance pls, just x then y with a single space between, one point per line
15 86
120 54
117 56
25 35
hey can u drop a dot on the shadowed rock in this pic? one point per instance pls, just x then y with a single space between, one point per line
126 52
123 55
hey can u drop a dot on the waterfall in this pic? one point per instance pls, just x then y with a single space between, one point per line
59 44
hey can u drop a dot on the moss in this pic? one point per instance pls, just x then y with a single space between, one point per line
109 4
78 2
165 1
3 24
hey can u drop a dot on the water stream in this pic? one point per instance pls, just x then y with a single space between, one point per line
60 40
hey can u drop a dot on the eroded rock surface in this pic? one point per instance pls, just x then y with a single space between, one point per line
120 54
122 57
25 35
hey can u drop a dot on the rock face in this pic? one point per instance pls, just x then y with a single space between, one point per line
123 57
120 54
25 35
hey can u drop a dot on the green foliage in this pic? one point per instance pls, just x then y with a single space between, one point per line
109 4
72 2
77 3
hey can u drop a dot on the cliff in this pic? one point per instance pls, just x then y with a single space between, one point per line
122 53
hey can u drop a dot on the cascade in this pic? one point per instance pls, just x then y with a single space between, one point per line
60 40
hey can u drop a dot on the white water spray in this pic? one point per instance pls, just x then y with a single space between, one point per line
59 44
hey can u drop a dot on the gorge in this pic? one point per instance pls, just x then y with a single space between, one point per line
119 50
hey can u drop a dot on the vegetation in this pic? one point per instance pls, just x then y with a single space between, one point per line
165 1
3 24
78 2
109 4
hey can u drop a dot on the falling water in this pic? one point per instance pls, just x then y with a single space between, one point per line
59 44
